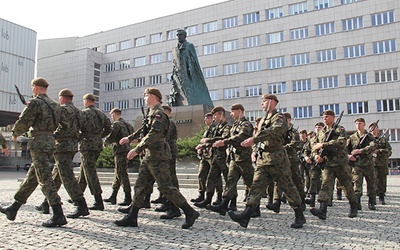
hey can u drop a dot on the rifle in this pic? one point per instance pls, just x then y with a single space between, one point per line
261 145
332 130
145 125
21 97
379 142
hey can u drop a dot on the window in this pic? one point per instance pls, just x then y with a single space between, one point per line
211 26
140 41
322 4
357 108
302 112
301 85
356 79
333 107
168 77
252 41
252 115
300 33
125 45
157 58
353 23
156 79
156 38
140 61
214 95
108 106
123 104
297 8
384 46
382 18
191 30
210 49
324 28
111 48
274 13
124 84
354 51
108 86
251 18
230 45
210 72
394 135
138 103
276 37
388 105
230 69
300 59
254 90
252 66
326 55
275 62
110 67
348 1
171 34
139 82
231 93
169 56
277 88
230 22
328 82
386 75
124 64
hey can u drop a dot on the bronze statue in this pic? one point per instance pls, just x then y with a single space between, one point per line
187 78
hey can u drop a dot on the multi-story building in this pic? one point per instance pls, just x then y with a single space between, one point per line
313 54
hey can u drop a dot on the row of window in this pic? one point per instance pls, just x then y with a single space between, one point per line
230 22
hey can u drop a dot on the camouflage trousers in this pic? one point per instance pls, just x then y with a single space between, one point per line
88 174
218 167
279 173
151 171
236 170
315 179
358 177
38 173
305 174
204 169
64 174
121 176
381 173
172 169
297 180
329 175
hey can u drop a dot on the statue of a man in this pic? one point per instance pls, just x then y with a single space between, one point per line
187 78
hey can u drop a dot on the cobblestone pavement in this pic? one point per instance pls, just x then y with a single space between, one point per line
378 229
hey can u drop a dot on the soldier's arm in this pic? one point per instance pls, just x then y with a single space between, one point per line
277 129
338 140
111 138
26 119
155 133
106 127
245 132
63 124
370 147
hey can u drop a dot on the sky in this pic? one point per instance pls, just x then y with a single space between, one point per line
55 19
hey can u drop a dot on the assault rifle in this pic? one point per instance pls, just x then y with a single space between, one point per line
380 142
21 97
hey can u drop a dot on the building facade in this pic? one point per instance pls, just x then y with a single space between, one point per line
314 55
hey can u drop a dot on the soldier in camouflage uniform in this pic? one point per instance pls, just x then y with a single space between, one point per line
218 157
304 167
380 158
273 163
240 164
333 161
3 144
67 137
40 116
360 147
155 164
120 128
96 127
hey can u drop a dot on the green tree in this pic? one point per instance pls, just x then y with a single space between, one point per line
187 145
106 158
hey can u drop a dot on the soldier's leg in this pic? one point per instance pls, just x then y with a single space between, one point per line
357 180
204 168
91 173
117 172
143 185
324 195
370 178
82 175
230 189
343 175
283 177
67 175
297 179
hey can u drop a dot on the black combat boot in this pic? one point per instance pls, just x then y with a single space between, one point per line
199 198
311 200
43 207
283 198
98 204
371 203
256 212
124 210
127 201
358 199
191 215
130 220
11 211
173 212
81 209
232 205
220 208
113 198
58 218
321 211
382 199
276 206
339 194
160 199
270 199
218 200
243 218
299 218
164 207
146 201
353 209
246 194
207 200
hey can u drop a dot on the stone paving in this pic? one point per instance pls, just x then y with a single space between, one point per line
378 229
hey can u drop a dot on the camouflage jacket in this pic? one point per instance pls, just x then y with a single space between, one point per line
41 117
240 131
367 147
68 129
172 136
294 145
3 141
119 129
96 126
154 144
220 132
383 151
207 134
